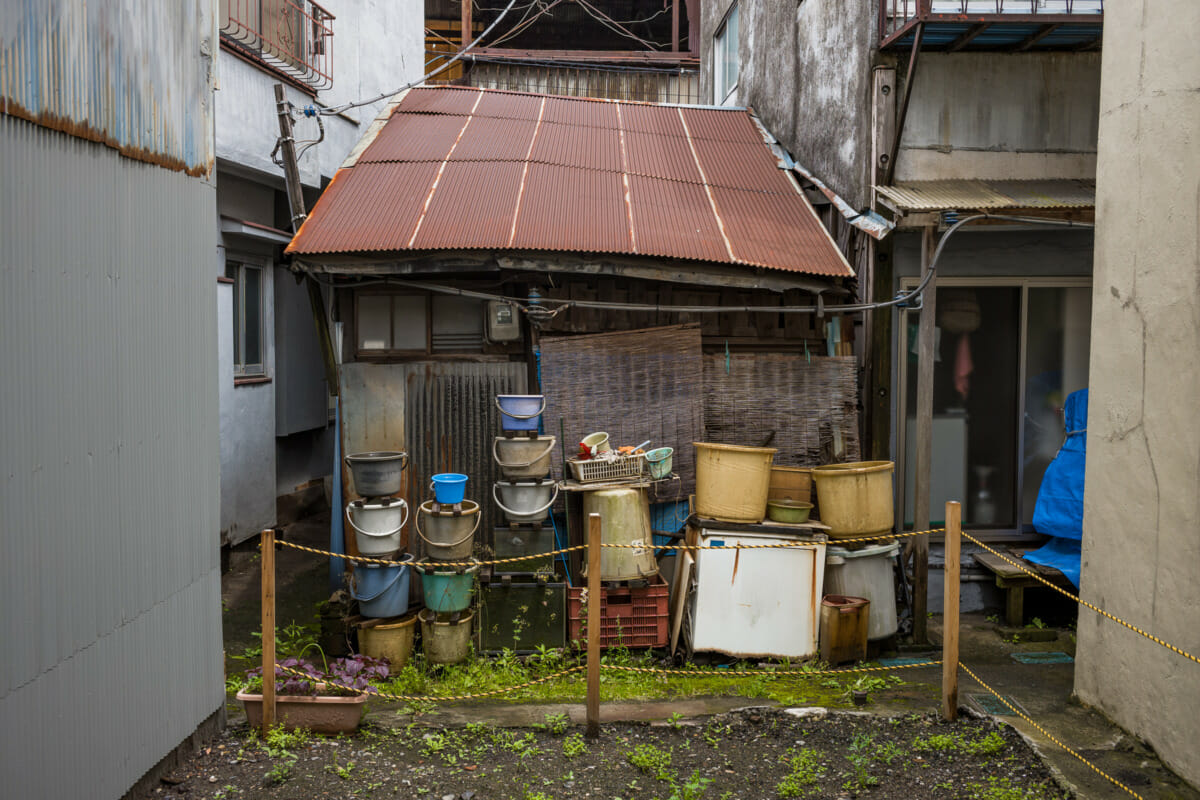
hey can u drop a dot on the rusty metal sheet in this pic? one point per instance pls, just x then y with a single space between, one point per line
729 125
415 137
778 230
675 219
495 139
661 157
581 111
459 101
651 119
741 165
581 208
578 146
509 105
472 207
90 71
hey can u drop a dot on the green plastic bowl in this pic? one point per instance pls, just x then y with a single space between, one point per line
790 511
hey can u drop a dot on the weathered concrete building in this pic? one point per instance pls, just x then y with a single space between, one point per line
930 112
1143 435
109 493
276 432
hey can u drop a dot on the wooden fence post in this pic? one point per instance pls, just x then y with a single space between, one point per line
950 612
593 627
268 628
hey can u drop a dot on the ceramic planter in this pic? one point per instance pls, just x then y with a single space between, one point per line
321 714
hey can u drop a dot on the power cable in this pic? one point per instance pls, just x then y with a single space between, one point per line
347 106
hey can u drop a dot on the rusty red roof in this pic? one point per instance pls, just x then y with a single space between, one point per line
464 168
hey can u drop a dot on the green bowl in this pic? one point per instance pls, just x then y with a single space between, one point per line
790 511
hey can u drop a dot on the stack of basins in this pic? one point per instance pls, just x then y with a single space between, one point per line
523 602
447 526
381 589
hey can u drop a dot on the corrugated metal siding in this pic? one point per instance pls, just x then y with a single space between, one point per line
109 497
642 86
137 79
971 194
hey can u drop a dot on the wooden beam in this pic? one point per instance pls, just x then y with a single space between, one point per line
467 8
910 76
924 444
877 324
967 38
1030 41
267 559
594 625
950 612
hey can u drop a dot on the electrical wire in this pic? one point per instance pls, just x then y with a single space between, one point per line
541 309
357 104
614 26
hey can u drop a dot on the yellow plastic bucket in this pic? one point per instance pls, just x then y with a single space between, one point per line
856 498
732 481
390 640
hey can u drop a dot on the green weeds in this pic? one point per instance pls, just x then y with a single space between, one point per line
805 771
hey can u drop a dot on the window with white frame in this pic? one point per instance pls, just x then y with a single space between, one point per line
725 60
248 346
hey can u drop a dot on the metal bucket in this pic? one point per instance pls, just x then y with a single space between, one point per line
446 641
523 458
381 590
377 525
377 473
448 535
447 589
624 519
525 501
520 412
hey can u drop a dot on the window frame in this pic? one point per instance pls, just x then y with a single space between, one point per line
394 353
720 45
238 265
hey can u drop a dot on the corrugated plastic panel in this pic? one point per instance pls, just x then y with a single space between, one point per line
972 194
581 111
109 504
577 146
739 165
727 126
393 193
675 219
661 157
415 137
82 68
472 207
653 119
778 230
506 105
443 100
562 204
495 139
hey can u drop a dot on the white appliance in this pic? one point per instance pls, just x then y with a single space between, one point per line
762 603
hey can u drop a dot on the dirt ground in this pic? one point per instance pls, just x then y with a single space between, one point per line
752 754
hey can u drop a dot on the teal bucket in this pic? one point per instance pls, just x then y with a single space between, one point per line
659 462
447 589
449 488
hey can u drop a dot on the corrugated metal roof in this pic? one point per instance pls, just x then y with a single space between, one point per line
465 168
979 194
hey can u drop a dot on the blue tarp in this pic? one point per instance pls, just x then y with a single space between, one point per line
1059 509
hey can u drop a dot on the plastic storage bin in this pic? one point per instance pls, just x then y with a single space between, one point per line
632 617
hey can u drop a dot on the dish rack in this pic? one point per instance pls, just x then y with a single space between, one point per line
594 471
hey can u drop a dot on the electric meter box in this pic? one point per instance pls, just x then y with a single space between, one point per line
503 322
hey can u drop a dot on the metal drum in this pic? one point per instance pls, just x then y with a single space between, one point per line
624 519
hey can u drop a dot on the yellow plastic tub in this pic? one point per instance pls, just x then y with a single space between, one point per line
856 498
388 639
732 481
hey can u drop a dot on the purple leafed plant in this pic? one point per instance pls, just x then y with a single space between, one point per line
354 672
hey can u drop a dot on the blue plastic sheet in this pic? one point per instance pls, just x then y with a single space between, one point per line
1059 509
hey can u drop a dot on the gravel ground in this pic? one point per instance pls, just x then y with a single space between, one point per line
750 754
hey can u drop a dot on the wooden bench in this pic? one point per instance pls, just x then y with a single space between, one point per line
1014 581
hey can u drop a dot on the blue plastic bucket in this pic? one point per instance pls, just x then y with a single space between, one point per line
449 488
520 412
381 590
446 589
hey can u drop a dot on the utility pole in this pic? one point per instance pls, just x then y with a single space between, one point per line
291 177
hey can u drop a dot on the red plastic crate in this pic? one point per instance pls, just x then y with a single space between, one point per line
628 617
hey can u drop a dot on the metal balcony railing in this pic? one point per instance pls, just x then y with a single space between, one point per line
293 36
993 24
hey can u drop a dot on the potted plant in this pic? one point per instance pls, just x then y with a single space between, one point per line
317 702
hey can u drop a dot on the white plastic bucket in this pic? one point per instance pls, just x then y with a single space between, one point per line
866 573
377 524
525 501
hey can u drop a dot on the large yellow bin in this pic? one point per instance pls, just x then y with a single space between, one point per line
855 499
732 481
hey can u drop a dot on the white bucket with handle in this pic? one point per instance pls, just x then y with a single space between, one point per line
525 501
377 524
448 535
523 458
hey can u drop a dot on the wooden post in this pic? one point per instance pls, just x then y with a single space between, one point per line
950 613
466 25
268 628
593 627
924 448
675 26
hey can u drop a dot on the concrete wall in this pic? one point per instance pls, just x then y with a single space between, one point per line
991 115
1141 550
806 71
